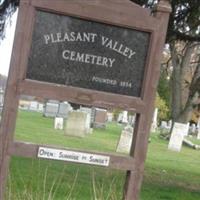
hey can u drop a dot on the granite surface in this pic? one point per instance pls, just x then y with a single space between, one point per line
77 52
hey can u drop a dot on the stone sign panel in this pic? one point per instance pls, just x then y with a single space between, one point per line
86 54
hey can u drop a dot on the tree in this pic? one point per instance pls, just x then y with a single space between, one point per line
7 8
163 109
183 37
185 59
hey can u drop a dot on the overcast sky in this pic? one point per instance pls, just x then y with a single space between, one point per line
6 46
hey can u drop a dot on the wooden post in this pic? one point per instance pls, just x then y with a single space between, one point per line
141 134
11 99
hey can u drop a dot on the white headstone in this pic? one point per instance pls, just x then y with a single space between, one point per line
110 117
193 128
33 106
179 131
40 107
125 117
170 124
131 119
63 109
1 96
88 123
125 141
155 116
198 129
198 134
88 111
58 123
163 125
120 117
154 123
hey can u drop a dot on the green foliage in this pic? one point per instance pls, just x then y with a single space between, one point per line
163 98
163 109
164 89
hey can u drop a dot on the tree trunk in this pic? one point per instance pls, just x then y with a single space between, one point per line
176 83
185 86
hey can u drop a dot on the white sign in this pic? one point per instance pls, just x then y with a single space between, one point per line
73 156
178 133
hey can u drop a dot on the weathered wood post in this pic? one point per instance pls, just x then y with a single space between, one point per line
140 142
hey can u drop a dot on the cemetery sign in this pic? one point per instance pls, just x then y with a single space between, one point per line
102 53
87 54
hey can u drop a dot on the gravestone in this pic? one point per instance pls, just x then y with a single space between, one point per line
63 109
120 117
51 108
179 131
170 124
154 124
58 123
33 106
125 140
1 100
89 112
100 118
192 128
125 117
198 134
198 129
41 107
1 97
110 117
131 120
163 125
76 124
54 108
88 124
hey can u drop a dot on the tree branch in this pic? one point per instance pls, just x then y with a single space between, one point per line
184 37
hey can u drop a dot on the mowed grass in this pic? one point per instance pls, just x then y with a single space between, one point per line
33 127
168 175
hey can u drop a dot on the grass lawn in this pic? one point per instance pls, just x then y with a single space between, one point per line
194 140
32 127
168 175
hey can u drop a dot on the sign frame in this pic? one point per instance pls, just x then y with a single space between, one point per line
121 13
